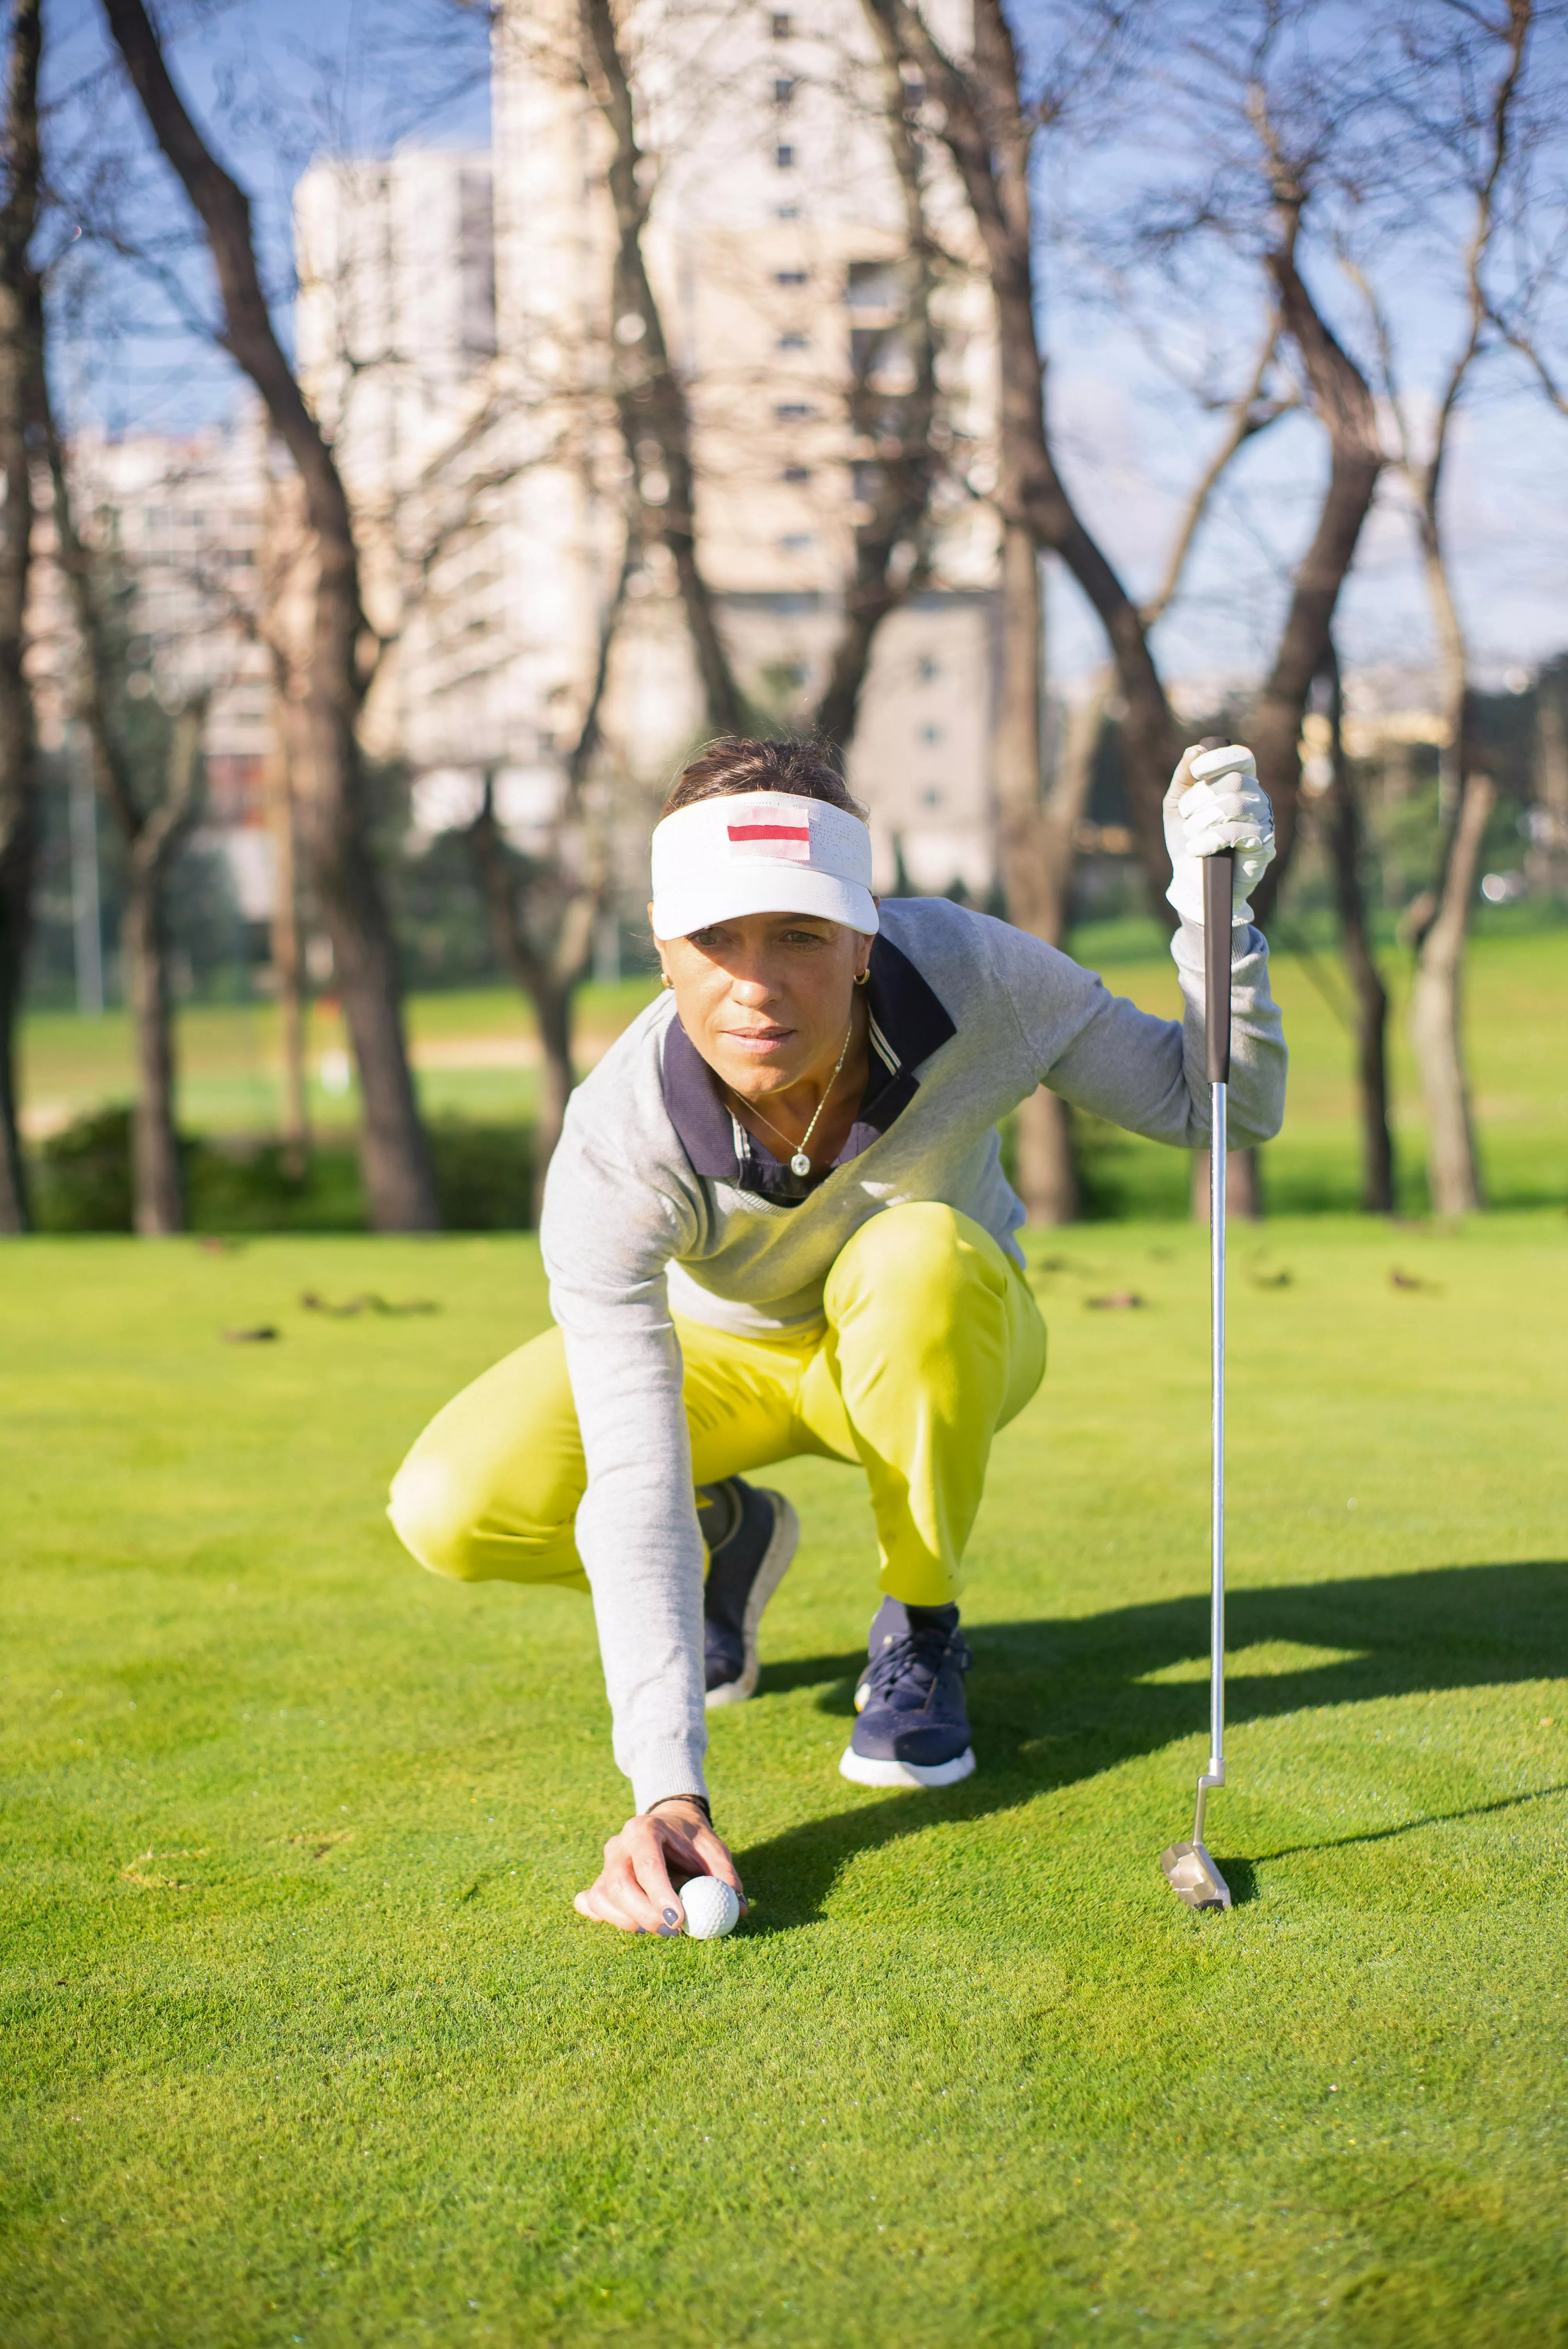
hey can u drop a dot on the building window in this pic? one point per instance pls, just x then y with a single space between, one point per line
931 733
787 211
865 481
931 799
796 473
783 88
790 277
792 411
794 343
873 285
926 668
799 541
785 158
476 265
783 26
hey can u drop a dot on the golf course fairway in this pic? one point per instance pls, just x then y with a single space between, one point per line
304 2044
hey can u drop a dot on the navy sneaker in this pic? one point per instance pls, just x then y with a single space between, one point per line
913 1725
751 1535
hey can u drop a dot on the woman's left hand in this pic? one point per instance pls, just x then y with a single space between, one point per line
1215 801
634 1889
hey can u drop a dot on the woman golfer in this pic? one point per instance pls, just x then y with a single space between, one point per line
777 1223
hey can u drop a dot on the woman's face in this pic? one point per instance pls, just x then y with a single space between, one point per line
766 997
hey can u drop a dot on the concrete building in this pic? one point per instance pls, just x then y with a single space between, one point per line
467 383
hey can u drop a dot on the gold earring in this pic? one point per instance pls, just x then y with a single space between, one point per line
862 978
664 978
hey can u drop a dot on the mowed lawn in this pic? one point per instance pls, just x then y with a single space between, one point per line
304 2044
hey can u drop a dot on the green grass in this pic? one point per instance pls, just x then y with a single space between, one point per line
304 2043
471 1051
1518 1042
470 1054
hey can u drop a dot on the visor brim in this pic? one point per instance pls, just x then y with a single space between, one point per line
762 887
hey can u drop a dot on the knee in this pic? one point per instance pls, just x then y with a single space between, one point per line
922 1263
432 1520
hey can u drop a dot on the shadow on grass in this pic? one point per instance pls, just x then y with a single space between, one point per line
1055 1701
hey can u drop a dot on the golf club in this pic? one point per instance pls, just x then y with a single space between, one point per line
1189 1868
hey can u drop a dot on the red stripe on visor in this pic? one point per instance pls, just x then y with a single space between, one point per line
769 831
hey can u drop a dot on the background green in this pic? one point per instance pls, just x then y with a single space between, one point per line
304 2043
473 1056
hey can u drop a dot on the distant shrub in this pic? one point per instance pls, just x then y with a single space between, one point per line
82 1181
484 1176
484 1180
250 1188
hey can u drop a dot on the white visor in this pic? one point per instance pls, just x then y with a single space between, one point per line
760 853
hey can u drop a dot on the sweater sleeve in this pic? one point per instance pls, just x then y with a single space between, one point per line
1102 1054
607 1233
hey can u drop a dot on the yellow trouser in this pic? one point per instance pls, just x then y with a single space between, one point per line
931 1343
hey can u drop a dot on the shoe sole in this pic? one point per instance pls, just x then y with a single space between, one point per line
864 1771
777 1560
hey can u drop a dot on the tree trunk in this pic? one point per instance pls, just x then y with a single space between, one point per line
553 1008
287 967
1048 1179
394 1154
1454 1177
1038 844
547 974
1547 860
157 1189
989 135
1343 402
1344 830
18 866
158 1192
21 339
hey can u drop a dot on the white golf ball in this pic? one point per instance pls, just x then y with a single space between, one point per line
711 1908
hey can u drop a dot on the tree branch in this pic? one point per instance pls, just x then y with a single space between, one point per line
650 401
1250 415
224 211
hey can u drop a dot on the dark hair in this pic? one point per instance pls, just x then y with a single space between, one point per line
794 764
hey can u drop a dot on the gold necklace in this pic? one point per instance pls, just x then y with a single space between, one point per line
800 1162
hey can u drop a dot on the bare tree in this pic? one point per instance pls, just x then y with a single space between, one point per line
21 372
543 909
650 398
892 429
152 830
1039 844
1548 858
1453 1169
394 1154
1340 812
1341 399
990 129
1476 138
901 428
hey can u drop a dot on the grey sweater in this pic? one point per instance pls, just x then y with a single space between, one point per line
657 1200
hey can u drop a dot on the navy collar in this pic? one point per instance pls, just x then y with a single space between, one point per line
908 1023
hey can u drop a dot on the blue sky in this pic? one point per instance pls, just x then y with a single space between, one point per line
277 81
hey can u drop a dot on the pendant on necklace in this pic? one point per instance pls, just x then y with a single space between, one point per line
799 1165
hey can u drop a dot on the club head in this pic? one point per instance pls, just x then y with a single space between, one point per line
1193 1877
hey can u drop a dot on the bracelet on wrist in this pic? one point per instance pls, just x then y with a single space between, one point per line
700 1800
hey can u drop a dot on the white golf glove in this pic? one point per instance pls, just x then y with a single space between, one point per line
1215 801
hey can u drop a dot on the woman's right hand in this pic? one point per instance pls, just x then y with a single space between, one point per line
634 1889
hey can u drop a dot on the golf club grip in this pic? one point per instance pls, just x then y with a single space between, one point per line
1217 895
